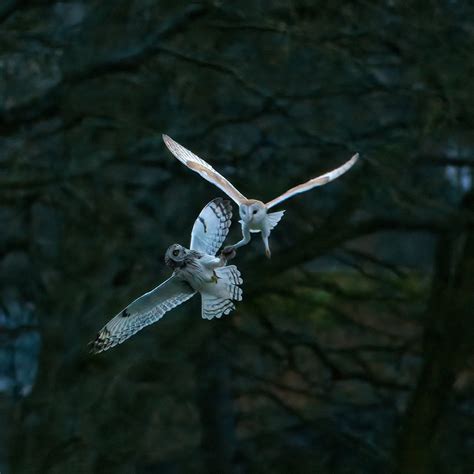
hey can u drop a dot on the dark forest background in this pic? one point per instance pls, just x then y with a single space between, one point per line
352 351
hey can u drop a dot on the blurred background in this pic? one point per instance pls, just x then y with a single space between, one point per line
352 351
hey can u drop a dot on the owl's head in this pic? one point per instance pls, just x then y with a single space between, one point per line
175 256
252 212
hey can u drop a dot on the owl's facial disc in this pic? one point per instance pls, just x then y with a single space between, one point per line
252 213
174 256
256 212
244 213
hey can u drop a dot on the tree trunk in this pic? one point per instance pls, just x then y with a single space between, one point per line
449 328
215 405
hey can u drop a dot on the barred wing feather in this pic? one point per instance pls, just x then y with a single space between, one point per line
142 312
211 227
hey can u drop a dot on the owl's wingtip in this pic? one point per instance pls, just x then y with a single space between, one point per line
93 347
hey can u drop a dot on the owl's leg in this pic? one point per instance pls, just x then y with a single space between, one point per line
245 238
265 236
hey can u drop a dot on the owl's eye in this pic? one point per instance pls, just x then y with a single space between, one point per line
175 253
255 211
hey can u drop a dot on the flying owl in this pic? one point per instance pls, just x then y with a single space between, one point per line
195 270
253 213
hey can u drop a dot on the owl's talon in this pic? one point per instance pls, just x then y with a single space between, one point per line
229 252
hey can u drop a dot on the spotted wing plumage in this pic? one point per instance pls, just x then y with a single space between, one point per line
312 183
145 310
204 169
211 227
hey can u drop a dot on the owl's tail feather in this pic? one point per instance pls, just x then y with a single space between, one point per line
219 302
229 278
215 307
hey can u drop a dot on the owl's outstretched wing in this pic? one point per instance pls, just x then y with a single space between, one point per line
312 183
145 310
211 227
198 165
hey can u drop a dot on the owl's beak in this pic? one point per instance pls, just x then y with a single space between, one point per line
186 252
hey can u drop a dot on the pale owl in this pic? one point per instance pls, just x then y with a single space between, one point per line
195 270
253 213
